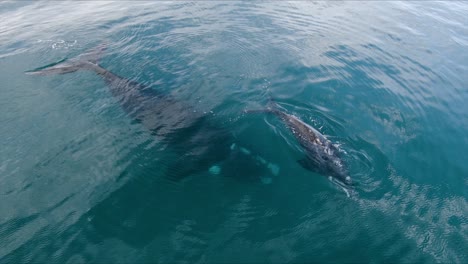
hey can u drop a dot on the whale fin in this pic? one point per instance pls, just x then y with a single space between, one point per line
93 55
82 61
305 164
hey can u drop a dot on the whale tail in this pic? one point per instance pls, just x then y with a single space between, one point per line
82 61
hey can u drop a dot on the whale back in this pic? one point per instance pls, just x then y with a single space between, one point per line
321 156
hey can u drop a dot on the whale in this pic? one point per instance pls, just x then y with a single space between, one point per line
321 156
200 144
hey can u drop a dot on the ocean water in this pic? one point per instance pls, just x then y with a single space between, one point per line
82 182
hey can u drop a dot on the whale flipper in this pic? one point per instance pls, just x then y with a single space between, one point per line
305 163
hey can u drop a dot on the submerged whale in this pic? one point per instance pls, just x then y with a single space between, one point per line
321 156
198 142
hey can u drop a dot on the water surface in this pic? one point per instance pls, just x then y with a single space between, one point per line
81 182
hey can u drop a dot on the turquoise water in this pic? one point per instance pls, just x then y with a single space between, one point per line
81 182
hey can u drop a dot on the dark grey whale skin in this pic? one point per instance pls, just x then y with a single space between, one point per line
198 142
321 156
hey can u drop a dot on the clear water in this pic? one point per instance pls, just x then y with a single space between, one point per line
81 182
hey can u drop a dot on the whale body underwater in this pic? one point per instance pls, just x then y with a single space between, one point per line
200 142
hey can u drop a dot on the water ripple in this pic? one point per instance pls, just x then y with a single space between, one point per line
83 182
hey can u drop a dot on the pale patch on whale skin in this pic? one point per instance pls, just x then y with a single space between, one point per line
274 168
215 169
